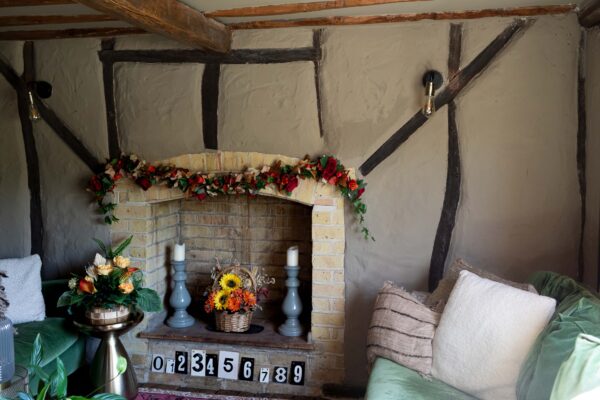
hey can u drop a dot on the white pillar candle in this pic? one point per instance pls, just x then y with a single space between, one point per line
292 256
179 254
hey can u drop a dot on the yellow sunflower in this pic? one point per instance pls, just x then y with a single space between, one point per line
221 299
230 282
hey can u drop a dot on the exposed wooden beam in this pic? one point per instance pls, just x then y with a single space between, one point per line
443 236
242 56
67 33
581 153
108 80
379 19
169 18
293 8
22 20
21 3
210 105
317 43
453 88
31 155
590 14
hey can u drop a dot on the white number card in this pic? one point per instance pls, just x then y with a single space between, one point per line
229 364
198 363
158 363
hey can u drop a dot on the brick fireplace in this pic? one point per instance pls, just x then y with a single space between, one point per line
253 232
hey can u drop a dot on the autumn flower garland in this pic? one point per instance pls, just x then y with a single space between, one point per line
201 185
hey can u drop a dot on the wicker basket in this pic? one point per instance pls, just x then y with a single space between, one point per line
236 322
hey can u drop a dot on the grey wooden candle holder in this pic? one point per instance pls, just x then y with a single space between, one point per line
180 298
292 305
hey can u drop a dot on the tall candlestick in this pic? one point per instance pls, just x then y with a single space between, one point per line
180 297
179 254
292 256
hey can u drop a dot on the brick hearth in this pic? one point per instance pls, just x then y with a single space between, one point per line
160 217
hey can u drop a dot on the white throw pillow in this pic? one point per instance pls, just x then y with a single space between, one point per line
24 289
484 335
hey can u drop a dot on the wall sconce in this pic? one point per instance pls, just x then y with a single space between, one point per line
43 90
432 80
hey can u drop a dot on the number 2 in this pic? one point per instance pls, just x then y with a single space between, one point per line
181 358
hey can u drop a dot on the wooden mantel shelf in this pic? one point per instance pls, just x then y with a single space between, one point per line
198 333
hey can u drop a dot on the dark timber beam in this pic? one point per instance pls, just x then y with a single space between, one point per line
114 148
68 33
21 20
243 56
170 18
210 105
31 155
383 19
293 8
317 42
443 236
21 3
581 156
589 15
453 88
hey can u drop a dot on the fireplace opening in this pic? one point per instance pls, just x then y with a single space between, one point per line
252 232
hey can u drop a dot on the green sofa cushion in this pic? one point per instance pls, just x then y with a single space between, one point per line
578 311
391 381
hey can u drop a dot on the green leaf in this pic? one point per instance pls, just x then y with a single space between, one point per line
78 398
106 396
65 299
36 353
101 244
122 247
148 300
58 381
24 396
121 365
42 394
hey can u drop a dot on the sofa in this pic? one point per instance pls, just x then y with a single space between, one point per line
60 339
577 311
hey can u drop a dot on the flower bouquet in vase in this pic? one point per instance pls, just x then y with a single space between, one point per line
234 295
110 288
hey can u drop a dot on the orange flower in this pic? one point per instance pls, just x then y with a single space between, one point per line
234 303
353 185
87 286
209 304
249 299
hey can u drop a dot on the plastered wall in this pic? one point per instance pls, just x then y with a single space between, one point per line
592 234
520 205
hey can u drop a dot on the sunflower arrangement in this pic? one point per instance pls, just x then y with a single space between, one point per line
231 296
234 295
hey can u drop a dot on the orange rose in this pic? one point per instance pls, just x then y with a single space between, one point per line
126 287
353 185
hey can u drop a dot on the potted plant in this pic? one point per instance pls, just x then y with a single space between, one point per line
54 384
233 297
110 288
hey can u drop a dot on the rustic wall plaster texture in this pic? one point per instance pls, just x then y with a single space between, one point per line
159 108
592 233
517 125
15 232
506 223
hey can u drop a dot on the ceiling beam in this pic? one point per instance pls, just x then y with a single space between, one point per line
67 33
293 8
589 15
21 3
378 19
169 18
23 20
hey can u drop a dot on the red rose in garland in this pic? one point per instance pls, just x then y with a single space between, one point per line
95 184
143 182
330 169
291 184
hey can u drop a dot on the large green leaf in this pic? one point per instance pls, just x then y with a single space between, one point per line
65 299
58 381
148 300
102 246
42 394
